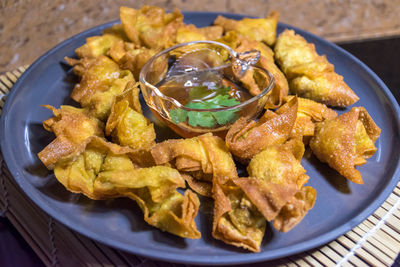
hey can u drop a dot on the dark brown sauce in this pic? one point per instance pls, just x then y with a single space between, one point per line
190 82
179 88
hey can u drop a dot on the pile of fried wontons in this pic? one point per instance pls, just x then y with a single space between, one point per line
107 149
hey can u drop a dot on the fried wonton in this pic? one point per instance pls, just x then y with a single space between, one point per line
276 184
97 45
128 127
311 75
236 219
134 59
346 141
103 170
267 62
295 209
309 112
150 26
72 127
130 57
118 31
245 139
188 33
101 82
190 157
260 29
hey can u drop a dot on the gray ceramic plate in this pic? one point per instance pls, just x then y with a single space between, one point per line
340 204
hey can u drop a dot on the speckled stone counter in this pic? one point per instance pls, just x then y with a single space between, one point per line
28 28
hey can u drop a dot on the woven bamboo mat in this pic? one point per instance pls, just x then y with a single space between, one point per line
376 241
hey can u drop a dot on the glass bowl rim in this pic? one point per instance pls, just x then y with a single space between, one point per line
232 53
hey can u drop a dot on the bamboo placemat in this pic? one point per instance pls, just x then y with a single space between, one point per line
376 241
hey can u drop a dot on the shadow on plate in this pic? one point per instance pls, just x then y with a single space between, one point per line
269 234
97 208
70 79
169 239
39 138
56 191
339 182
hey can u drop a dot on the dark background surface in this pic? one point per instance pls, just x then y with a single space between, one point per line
382 56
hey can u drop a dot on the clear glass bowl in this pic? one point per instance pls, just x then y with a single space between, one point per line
198 63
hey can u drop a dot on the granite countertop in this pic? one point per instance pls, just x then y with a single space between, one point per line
28 28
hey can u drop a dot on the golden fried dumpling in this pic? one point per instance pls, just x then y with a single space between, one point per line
134 59
96 46
250 80
117 30
328 88
78 173
128 127
130 57
236 219
267 62
189 33
296 56
150 26
100 45
346 141
188 156
311 75
154 189
72 127
295 209
104 170
309 112
231 39
276 184
280 164
245 139
260 29
100 83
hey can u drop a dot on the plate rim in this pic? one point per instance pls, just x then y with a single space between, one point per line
189 259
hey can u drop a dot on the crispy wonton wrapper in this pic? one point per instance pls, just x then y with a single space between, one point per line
295 210
189 33
236 219
100 83
261 29
103 170
311 75
346 141
267 62
100 45
276 184
72 126
245 139
128 127
309 112
241 43
130 57
150 26
190 157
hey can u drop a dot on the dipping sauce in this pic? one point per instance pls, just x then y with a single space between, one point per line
200 90
203 90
